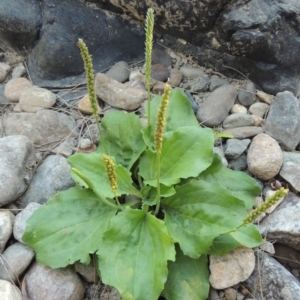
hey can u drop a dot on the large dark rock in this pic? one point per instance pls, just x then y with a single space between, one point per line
259 39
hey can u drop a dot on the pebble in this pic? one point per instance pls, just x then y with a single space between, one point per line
216 107
18 71
17 156
239 263
265 157
137 84
84 105
65 148
21 220
160 72
158 87
15 87
238 120
231 294
246 96
119 71
34 99
293 157
244 132
88 272
239 163
8 291
197 85
216 81
15 260
235 148
175 77
6 225
191 73
117 94
291 173
264 97
267 246
238 108
259 109
136 75
161 57
4 69
45 127
53 175
49 284
283 120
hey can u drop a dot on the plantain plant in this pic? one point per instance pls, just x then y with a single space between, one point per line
151 203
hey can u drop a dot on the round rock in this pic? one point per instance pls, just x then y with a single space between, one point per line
119 71
8 291
246 96
191 73
259 109
160 72
84 105
265 157
6 225
175 77
161 57
238 108
15 87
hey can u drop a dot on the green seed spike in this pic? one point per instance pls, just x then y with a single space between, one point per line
84 178
88 66
267 204
111 172
148 54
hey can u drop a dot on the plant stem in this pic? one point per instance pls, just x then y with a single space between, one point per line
158 184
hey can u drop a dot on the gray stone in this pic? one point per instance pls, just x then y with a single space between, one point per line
49 284
282 224
117 94
51 176
4 69
215 108
14 261
235 148
3 100
21 218
194 104
161 57
119 71
244 132
283 121
246 96
160 72
17 157
238 120
239 164
239 263
18 71
270 280
8 291
198 84
191 73
216 81
264 97
175 78
265 157
287 256
291 173
293 157
259 109
6 227
46 127
220 152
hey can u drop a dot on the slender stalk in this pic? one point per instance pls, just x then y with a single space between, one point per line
148 55
158 137
88 66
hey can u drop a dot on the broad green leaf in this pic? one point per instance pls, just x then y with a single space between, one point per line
122 137
239 183
134 253
186 152
150 193
187 278
92 166
68 227
247 236
198 213
223 135
179 114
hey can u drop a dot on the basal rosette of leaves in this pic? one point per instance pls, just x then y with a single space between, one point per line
143 254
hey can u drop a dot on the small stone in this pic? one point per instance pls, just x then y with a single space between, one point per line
160 72
8 291
235 148
84 105
117 94
15 260
18 71
137 84
215 108
119 71
15 87
191 73
230 294
264 97
88 272
239 263
161 57
246 96
63 284
238 120
65 148
239 163
244 132
216 81
6 225
21 218
198 84
291 173
259 109
268 247
265 157
4 69
34 99
158 87
175 78
238 108
136 75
